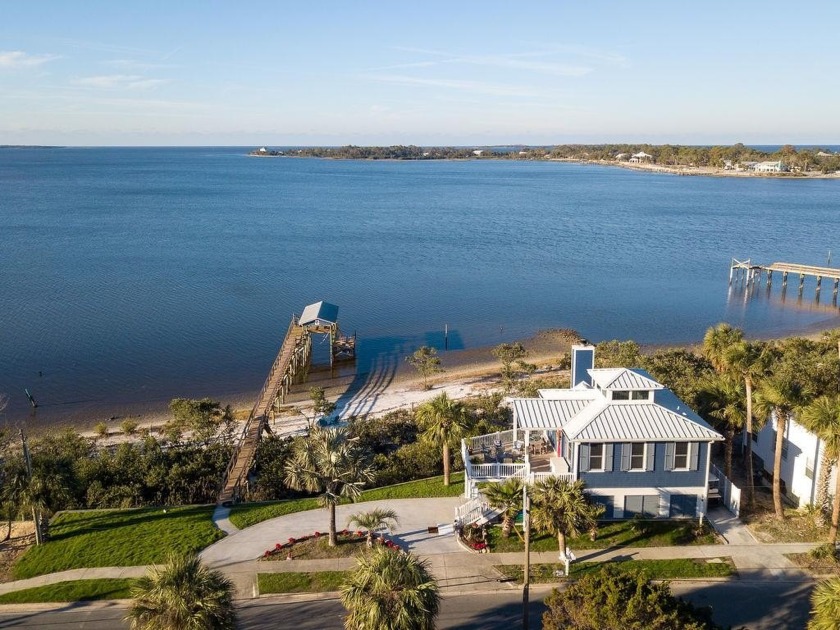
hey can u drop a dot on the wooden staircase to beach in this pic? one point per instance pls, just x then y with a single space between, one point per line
292 357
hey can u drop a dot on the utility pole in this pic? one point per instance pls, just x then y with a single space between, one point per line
28 460
526 522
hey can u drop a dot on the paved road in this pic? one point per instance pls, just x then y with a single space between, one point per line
767 605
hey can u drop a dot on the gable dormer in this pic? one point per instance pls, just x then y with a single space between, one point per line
624 384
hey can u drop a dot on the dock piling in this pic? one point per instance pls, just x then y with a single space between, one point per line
751 274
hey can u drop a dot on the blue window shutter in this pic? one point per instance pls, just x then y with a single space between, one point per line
584 458
625 456
669 455
608 457
650 450
694 455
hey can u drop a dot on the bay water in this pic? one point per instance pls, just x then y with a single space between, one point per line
129 276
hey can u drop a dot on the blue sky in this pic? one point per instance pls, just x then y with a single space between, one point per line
286 73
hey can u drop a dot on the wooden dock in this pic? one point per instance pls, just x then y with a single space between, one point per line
293 355
750 273
290 365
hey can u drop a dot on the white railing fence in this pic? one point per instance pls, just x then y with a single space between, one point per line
730 494
486 441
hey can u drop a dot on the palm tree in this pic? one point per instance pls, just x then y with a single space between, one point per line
822 417
443 421
507 496
717 341
721 397
329 463
390 590
562 509
749 361
182 595
778 396
825 605
373 520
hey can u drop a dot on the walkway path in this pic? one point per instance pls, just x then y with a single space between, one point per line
456 569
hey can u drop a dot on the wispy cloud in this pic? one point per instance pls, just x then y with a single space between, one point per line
138 66
20 59
537 61
120 81
480 87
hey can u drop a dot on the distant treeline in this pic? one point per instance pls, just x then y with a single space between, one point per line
809 159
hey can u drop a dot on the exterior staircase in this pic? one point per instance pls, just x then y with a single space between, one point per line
476 511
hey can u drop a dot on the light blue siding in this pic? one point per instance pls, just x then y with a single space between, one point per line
656 478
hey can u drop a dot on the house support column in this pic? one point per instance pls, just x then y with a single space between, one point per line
706 485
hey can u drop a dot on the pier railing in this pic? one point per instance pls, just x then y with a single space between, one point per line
233 480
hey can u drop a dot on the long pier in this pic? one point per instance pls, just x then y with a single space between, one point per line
290 364
750 273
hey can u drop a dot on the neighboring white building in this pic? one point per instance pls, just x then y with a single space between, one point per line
801 460
641 156
770 167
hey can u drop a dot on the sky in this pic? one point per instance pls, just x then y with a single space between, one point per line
427 73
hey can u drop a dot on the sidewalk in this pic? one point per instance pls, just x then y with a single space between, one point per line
456 569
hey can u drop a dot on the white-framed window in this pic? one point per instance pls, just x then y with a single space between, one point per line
596 457
621 394
638 455
639 395
682 456
681 450
809 468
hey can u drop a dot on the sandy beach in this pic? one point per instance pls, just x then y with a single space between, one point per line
467 373
702 171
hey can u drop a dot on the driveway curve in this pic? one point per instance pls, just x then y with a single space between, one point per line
416 517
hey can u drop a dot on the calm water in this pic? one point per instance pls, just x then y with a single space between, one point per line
130 276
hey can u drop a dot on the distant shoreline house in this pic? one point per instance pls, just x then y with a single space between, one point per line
640 157
770 167
639 449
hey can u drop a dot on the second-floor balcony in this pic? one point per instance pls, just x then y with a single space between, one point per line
502 455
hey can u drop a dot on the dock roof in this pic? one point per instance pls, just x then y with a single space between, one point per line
320 312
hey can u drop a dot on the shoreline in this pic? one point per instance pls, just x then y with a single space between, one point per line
699 171
467 373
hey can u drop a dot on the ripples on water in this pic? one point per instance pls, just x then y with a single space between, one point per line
135 275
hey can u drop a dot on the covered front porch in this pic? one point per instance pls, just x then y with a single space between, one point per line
527 455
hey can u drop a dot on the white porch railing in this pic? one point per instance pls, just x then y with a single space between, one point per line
483 472
472 510
476 443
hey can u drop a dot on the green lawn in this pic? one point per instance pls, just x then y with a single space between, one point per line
321 581
247 514
71 591
118 538
614 534
655 569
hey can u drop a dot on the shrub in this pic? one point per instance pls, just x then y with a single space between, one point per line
129 427
101 429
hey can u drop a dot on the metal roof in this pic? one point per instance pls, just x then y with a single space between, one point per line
319 312
666 418
540 413
623 378
586 415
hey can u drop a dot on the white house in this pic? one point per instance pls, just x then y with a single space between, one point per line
801 460
641 156
770 167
